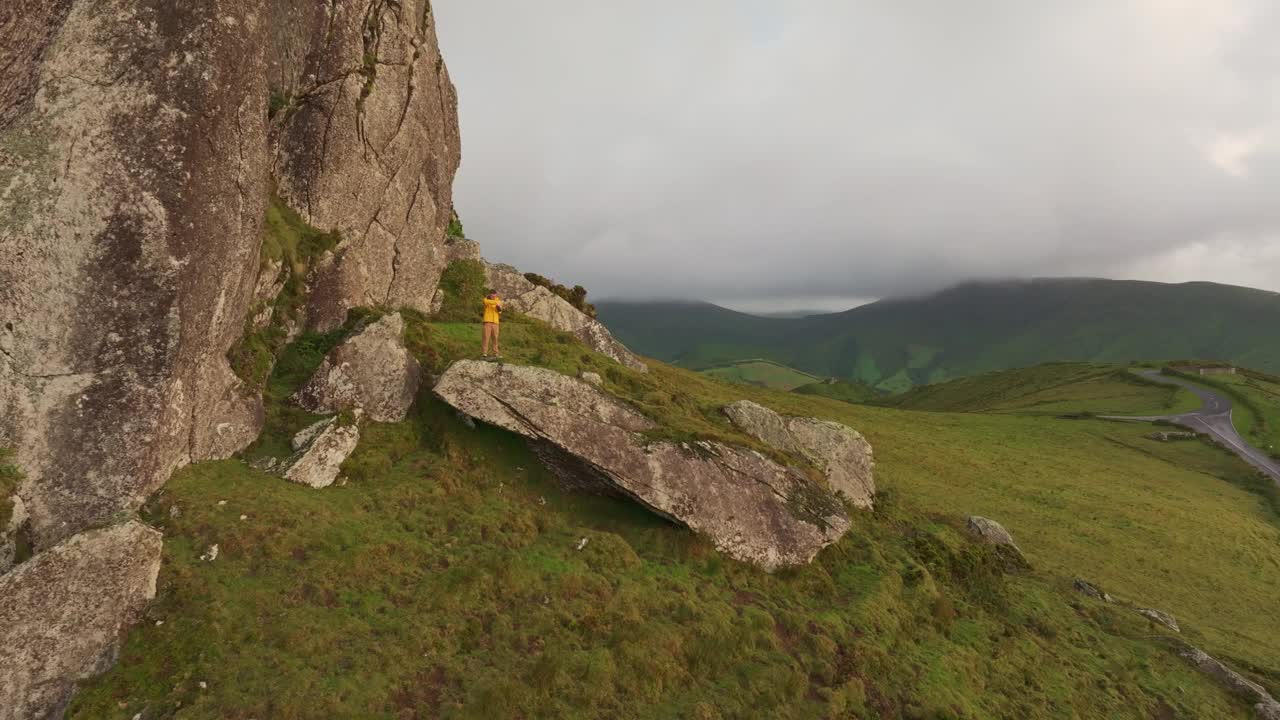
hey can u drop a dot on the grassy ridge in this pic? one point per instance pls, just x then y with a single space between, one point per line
1050 389
764 373
971 329
443 580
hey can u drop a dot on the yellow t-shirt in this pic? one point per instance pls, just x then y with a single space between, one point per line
491 307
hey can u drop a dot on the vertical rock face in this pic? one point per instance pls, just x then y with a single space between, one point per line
132 182
135 163
65 613
369 145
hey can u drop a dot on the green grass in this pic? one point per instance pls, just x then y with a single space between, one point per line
448 585
290 241
1259 420
1050 389
853 392
764 373
443 579
10 478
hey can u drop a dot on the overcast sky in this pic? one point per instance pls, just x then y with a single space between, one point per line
809 152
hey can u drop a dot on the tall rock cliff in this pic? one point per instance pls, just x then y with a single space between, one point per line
140 141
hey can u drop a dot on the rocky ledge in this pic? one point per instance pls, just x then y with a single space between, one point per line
521 295
753 508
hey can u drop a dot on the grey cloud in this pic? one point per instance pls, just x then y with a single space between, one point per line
827 148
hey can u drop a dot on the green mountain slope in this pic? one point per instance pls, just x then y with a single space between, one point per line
972 328
1049 389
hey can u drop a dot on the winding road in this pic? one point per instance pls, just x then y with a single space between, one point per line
1213 419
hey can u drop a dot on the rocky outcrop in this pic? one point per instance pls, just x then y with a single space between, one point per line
1172 436
843 453
64 614
319 452
368 144
1090 590
1160 617
993 533
136 160
371 370
751 507
133 180
521 295
1265 706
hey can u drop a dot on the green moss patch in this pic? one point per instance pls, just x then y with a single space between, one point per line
463 285
10 477
288 240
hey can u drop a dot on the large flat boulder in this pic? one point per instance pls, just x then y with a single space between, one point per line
751 507
64 613
371 370
842 452
521 295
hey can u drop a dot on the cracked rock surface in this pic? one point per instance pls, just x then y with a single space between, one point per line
137 156
371 370
751 507
133 181
368 145
842 452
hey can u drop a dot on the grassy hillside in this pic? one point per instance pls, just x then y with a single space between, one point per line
840 390
443 578
970 329
764 373
1049 389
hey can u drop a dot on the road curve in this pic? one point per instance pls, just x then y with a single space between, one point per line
1214 420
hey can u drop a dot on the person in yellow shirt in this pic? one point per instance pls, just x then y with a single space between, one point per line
492 317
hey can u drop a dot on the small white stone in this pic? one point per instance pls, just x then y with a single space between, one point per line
582 543
211 554
221 503
159 623
244 517
204 685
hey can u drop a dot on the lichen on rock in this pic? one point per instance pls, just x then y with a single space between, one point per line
65 613
842 453
372 370
750 506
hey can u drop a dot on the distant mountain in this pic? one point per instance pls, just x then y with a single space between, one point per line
971 328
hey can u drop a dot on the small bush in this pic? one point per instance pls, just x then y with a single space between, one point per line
10 477
575 296
454 230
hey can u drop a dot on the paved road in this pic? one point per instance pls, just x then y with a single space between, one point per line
1213 419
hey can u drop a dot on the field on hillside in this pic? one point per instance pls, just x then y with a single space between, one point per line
444 578
1050 389
764 373
839 390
